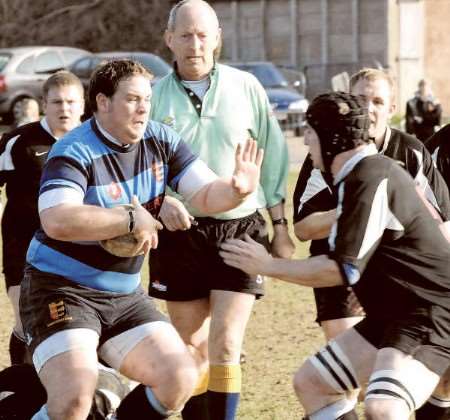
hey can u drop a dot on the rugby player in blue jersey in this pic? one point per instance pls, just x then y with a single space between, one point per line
77 299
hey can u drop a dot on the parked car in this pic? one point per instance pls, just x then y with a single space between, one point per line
23 71
84 66
287 99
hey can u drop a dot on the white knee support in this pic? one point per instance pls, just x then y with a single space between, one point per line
157 405
334 410
439 401
386 384
335 368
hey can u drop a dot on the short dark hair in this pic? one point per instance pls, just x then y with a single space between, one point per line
61 78
107 76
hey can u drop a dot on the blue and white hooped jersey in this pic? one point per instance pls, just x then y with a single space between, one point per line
86 164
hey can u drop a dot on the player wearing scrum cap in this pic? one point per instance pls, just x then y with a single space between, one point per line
382 221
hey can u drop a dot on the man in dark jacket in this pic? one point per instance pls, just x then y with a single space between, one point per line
423 112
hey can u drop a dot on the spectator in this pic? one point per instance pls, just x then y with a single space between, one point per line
423 112
27 112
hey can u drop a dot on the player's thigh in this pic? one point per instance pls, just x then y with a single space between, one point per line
230 312
336 371
67 366
191 319
157 353
346 362
443 388
399 377
333 327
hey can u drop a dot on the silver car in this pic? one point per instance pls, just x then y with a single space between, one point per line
23 71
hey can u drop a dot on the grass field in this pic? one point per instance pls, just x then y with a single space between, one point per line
280 335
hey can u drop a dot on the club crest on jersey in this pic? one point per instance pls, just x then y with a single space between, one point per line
114 191
170 121
158 170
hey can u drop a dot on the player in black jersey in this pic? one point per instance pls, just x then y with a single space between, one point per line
439 146
388 247
23 153
314 203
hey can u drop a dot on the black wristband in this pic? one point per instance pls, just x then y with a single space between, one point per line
131 220
282 221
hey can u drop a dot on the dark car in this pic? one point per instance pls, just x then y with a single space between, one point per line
287 100
23 71
84 66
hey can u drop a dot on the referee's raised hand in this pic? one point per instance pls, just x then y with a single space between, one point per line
248 160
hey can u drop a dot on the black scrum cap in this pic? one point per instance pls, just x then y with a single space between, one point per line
341 121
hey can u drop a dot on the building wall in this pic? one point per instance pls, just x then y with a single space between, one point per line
321 37
325 37
437 49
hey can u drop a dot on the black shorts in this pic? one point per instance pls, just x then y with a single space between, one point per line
424 334
14 259
49 303
333 303
187 265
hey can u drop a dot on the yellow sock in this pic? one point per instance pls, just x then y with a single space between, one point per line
202 384
225 378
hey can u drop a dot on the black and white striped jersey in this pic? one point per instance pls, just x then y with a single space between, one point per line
313 194
439 147
385 241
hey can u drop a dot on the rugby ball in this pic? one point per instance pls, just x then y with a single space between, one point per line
124 245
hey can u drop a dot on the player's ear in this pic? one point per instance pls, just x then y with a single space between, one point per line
392 108
168 38
103 102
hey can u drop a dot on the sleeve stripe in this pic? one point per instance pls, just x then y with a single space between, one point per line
57 196
422 181
351 272
315 185
380 218
6 163
194 178
434 156
333 232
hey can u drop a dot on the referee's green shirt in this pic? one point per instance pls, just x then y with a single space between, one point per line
234 108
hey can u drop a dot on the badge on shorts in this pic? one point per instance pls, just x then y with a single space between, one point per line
259 279
57 311
158 286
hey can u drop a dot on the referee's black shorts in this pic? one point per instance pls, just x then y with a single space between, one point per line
187 265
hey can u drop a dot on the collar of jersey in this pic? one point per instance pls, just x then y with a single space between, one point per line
369 150
106 138
211 74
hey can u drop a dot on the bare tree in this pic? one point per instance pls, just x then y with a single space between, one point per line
96 25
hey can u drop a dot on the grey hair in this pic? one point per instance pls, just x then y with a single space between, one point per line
173 13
